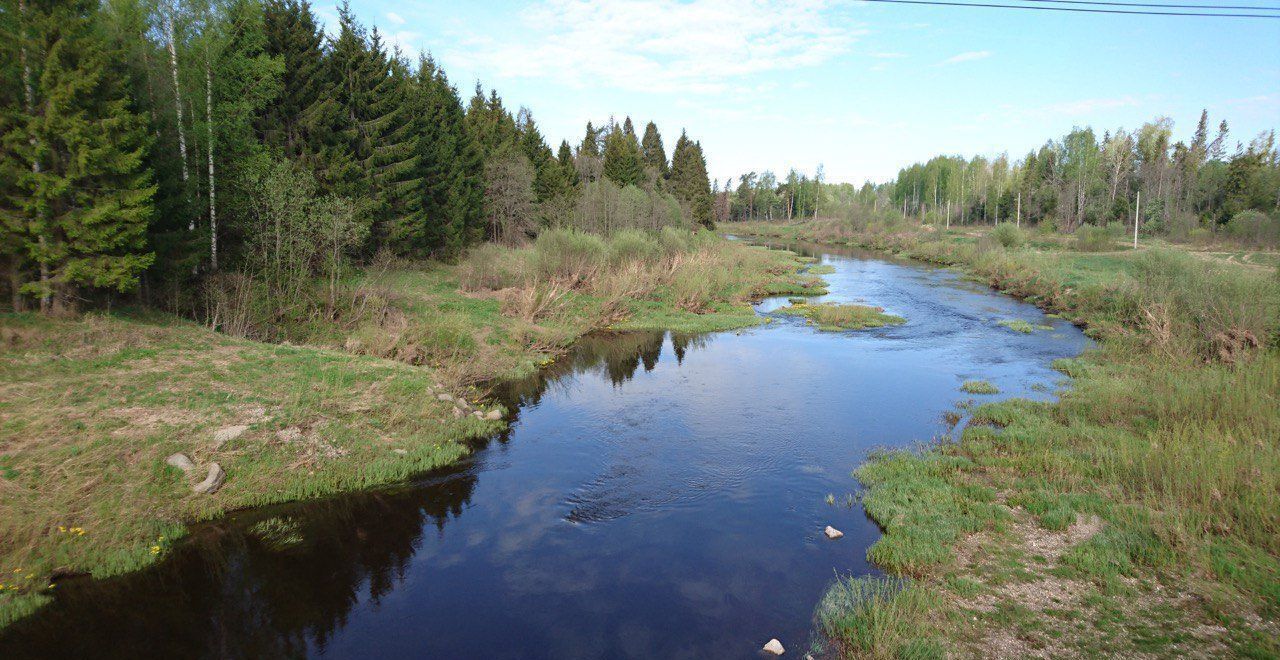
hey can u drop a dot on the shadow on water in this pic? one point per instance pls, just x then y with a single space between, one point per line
656 495
279 581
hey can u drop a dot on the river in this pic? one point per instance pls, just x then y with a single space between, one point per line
656 495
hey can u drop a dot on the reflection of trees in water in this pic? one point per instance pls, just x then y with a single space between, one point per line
232 590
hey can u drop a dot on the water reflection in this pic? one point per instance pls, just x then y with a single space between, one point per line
279 581
656 495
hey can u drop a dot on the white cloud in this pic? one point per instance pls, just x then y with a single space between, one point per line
406 41
699 46
888 56
967 57
395 18
1087 107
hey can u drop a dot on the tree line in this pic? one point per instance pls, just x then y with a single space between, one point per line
1173 187
153 144
1177 188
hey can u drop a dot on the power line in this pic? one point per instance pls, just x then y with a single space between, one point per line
1072 9
1146 4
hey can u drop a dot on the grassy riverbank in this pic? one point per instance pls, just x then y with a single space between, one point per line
91 406
1137 516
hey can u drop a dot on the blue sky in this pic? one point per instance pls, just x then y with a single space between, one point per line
860 88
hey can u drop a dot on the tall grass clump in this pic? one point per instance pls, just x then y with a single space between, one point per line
879 617
492 266
1187 305
1009 236
1094 239
569 255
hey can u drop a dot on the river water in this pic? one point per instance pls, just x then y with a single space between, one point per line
657 495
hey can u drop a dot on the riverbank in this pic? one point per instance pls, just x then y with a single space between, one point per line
92 406
1138 515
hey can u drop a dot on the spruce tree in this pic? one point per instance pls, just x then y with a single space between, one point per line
492 128
655 155
80 198
445 210
294 123
549 179
590 143
622 157
565 158
689 181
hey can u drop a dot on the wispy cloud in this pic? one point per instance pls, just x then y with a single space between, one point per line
395 18
1088 107
698 46
887 56
969 56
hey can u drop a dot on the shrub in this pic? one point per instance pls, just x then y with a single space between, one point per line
1255 228
632 245
1009 235
1094 239
491 266
568 255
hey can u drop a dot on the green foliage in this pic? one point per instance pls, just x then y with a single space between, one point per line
879 617
1094 239
835 317
653 153
689 180
78 197
622 159
1255 228
1009 236
978 387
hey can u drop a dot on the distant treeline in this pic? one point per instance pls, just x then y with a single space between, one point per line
1201 185
158 142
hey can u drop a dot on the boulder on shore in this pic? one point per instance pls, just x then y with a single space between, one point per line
774 647
212 482
228 433
493 415
181 461
832 532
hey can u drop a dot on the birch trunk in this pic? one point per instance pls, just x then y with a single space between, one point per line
213 188
177 105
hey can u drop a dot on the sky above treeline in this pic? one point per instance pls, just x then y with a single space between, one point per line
861 88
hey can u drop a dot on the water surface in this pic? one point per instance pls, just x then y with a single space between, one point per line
657 495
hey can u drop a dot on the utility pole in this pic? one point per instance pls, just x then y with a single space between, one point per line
1137 215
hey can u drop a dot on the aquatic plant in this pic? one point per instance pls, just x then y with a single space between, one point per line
836 316
1018 325
979 387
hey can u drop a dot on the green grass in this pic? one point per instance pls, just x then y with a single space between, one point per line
90 407
1018 325
104 399
879 617
834 317
979 387
1158 468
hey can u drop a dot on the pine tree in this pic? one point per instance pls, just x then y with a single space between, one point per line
81 197
655 155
